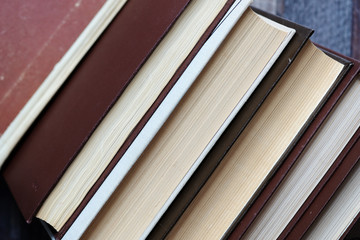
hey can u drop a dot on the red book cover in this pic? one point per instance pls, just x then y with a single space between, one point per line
34 36
57 135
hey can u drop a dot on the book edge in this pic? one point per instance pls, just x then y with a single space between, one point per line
109 185
57 77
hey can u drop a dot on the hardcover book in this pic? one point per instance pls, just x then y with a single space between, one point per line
308 173
235 128
333 178
50 145
262 146
192 129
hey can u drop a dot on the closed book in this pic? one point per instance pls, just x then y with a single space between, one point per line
219 92
339 219
304 222
148 126
307 166
57 135
331 181
266 193
235 128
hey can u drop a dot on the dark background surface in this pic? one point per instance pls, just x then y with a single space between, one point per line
336 24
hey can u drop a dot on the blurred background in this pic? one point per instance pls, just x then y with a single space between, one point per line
336 22
337 26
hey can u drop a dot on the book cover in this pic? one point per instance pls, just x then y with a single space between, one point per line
42 44
61 130
34 37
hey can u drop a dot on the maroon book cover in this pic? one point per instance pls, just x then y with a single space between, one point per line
57 135
146 117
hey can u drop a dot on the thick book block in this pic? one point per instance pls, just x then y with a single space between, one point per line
333 178
314 206
235 128
129 141
304 170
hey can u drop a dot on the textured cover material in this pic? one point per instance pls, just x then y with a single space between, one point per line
333 178
34 36
236 126
291 158
64 126
145 119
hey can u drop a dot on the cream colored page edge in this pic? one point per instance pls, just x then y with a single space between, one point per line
259 189
119 122
347 200
224 235
300 181
348 186
154 124
198 161
57 77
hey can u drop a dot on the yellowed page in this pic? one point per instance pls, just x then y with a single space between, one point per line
310 167
128 110
202 111
259 148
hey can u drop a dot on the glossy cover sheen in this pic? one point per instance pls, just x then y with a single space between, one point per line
291 158
235 128
62 129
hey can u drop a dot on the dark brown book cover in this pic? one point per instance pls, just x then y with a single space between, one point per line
235 128
281 172
353 230
313 206
331 181
146 117
52 142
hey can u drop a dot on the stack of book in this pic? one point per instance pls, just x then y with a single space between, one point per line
193 120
